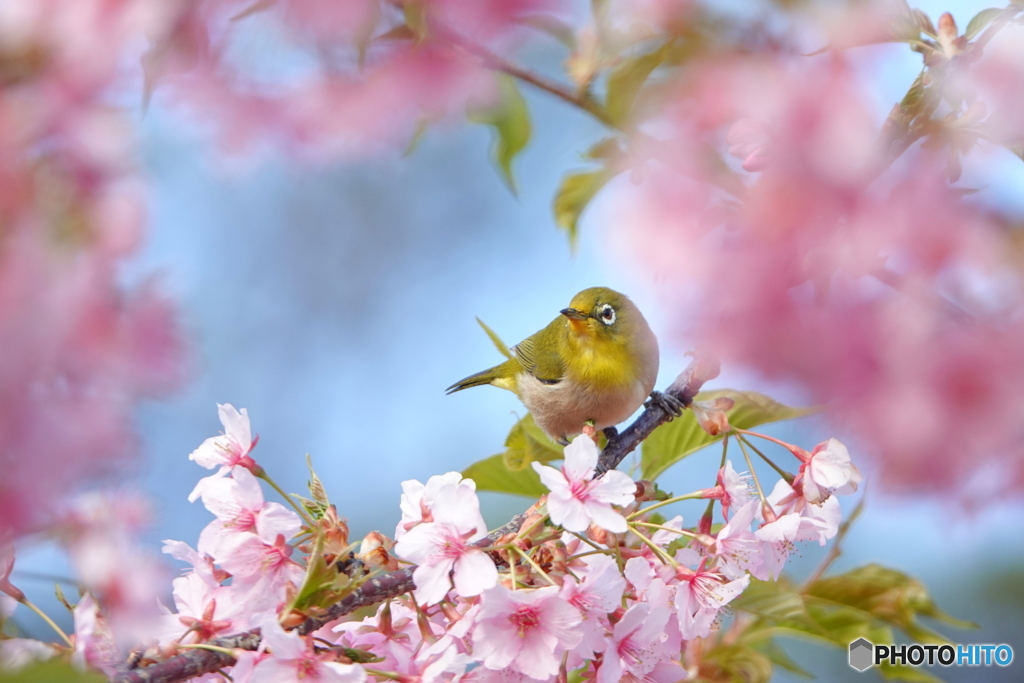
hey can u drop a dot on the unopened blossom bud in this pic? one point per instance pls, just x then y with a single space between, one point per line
598 534
384 624
704 526
531 526
292 619
335 532
645 491
6 565
711 415
374 552
947 36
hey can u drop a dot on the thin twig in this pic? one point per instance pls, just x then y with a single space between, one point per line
702 368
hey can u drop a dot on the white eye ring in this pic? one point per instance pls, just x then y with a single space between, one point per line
607 315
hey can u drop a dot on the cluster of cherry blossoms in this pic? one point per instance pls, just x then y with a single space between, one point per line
807 235
594 579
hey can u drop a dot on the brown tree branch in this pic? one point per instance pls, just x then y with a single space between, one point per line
195 662
702 368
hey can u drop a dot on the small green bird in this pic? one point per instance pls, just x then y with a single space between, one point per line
594 364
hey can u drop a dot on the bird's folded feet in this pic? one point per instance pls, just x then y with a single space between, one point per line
672 406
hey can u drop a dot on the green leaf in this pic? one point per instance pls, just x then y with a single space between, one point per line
735 663
415 13
980 21
924 23
604 150
495 339
626 80
911 102
316 487
418 133
526 443
510 118
683 436
575 192
490 474
554 27
323 585
510 472
770 649
51 671
776 601
887 595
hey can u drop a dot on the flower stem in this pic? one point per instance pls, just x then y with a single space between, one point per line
45 617
383 674
681 532
522 553
788 446
291 501
676 499
753 472
782 473
655 548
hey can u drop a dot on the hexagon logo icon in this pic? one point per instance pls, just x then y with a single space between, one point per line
862 654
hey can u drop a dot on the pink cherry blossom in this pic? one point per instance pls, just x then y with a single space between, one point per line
94 643
227 450
598 594
736 548
736 488
205 610
418 498
636 651
293 660
823 519
99 532
445 546
525 630
700 596
239 506
392 634
828 470
17 653
577 500
262 571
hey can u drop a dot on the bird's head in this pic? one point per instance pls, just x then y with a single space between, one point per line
600 314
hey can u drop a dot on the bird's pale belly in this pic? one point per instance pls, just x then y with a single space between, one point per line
563 409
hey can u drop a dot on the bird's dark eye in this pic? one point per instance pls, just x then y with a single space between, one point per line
607 314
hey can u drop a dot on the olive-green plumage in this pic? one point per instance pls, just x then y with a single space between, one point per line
595 363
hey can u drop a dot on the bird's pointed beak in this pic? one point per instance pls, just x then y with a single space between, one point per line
574 314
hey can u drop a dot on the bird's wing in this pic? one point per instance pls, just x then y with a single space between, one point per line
540 361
